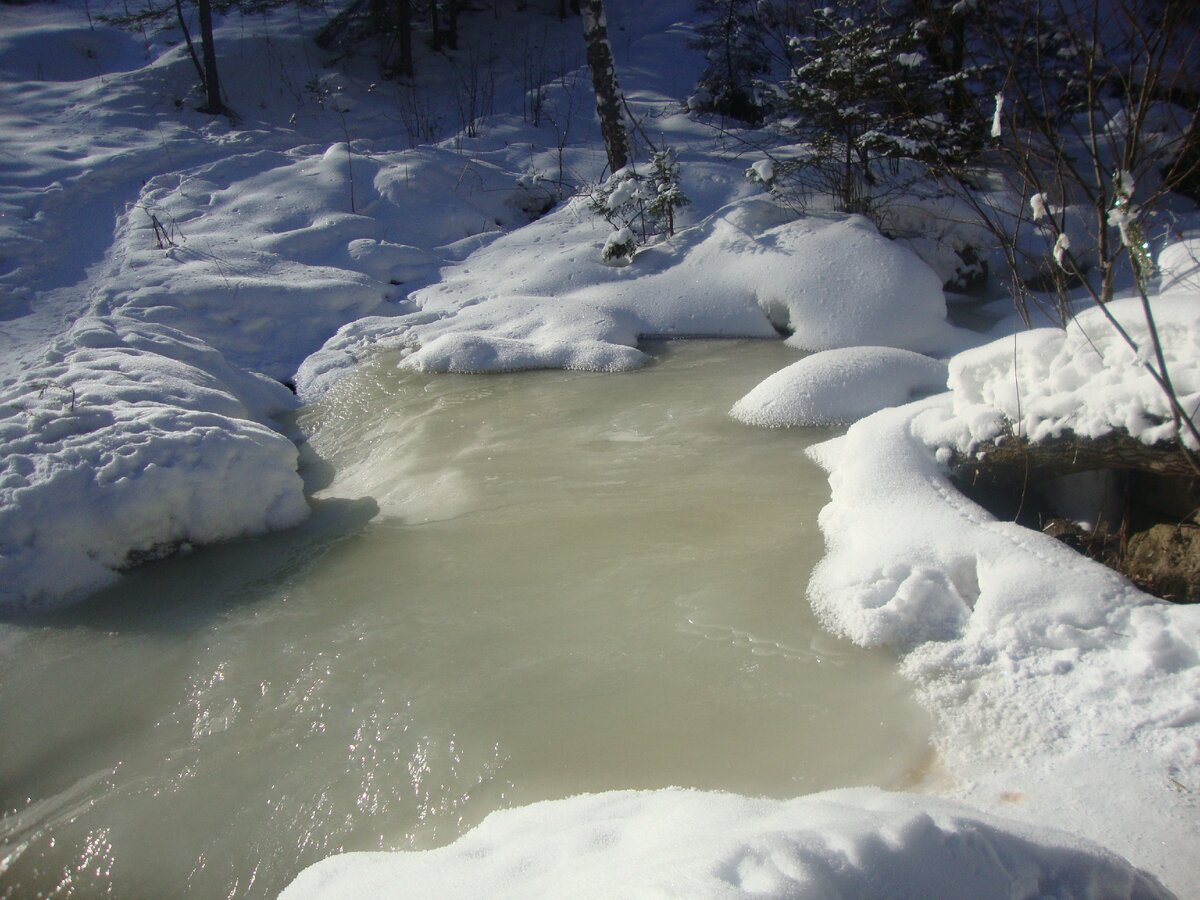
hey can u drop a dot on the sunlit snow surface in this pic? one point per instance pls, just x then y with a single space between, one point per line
840 386
1062 691
160 268
1085 379
863 844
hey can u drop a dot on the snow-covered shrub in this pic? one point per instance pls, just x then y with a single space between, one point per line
878 98
666 195
619 247
639 206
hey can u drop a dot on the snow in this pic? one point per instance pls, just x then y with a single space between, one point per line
1179 265
744 271
1046 670
161 273
67 52
1085 379
1037 206
764 171
1062 244
840 386
860 843
120 444
618 245
1062 692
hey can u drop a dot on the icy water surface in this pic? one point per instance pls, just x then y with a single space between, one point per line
514 587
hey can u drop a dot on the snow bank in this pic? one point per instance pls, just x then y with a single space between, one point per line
129 439
860 843
1084 379
142 427
1063 694
744 271
839 386
60 52
313 238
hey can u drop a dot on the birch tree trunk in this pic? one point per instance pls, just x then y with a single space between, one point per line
604 83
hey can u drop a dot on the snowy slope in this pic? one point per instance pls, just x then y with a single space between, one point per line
157 263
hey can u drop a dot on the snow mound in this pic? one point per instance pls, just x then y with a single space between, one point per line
1084 379
745 271
130 439
877 293
67 53
315 238
1018 644
458 352
951 568
1179 264
860 843
838 386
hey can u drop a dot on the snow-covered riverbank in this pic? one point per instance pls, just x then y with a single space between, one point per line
163 272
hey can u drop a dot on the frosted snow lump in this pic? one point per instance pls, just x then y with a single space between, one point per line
129 439
1084 379
840 386
859 843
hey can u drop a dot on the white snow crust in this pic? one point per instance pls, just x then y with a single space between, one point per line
1062 692
1083 379
125 442
861 843
840 386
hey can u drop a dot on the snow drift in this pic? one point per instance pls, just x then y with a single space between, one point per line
1045 669
840 386
125 442
862 844
541 296
1084 379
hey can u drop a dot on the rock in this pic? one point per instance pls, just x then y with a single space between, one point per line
1165 560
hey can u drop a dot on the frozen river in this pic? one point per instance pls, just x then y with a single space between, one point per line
513 588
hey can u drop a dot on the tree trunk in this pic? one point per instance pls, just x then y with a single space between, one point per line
1016 459
187 37
402 23
452 24
604 83
436 24
212 86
